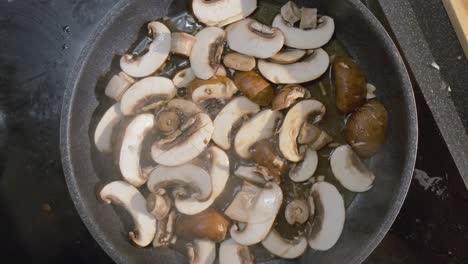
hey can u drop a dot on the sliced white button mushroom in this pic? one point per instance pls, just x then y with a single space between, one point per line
292 124
283 248
288 56
183 78
206 52
304 170
350 171
261 216
182 43
105 127
250 174
309 18
219 87
253 38
158 204
228 116
222 12
130 152
306 38
230 252
329 216
219 173
147 94
202 251
158 51
297 211
261 126
131 199
117 85
243 203
239 62
290 13
186 147
185 106
306 70
187 176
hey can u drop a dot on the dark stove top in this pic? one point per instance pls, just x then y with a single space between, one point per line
39 44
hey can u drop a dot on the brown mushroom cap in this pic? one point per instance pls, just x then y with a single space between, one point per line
209 224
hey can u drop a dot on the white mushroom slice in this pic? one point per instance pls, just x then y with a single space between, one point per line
182 43
239 62
228 116
207 51
183 78
306 38
130 152
105 127
222 12
292 124
253 38
290 13
304 170
117 85
185 106
219 173
188 176
329 216
306 70
308 18
288 56
261 126
261 216
250 174
243 203
283 248
220 88
350 171
187 148
147 94
158 51
202 251
297 211
231 252
131 199
158 204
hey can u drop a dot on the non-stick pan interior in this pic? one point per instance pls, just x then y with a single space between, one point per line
369 216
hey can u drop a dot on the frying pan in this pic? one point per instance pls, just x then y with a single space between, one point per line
369 216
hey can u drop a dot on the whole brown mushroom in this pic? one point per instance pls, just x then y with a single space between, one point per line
351 84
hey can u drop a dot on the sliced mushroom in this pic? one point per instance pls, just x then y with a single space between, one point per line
306 38
329 216
264 154
250 174
182 43
130 152
218 87
183 78
297 211
231 252
261 217
292 124
207 51
239 62
350 171
168 121
261 126
159 204
202 251
158 51
147 94
314 136
288 95
105 127
243 203
255 87
283 248
304 170
221 71
288 56
185 106
228 116
306 70
219 173
188 176
253 38
370 91
165 231
308 18
209 224
290 13
131 199
117 85
187 146
222 12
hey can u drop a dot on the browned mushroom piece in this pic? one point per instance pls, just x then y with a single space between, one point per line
351 84
264 154
255 87
209 224
288 95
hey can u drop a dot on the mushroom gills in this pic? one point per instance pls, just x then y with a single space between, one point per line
131 199
283 248
230 252
105 128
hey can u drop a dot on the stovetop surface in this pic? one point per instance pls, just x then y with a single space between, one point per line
38 47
